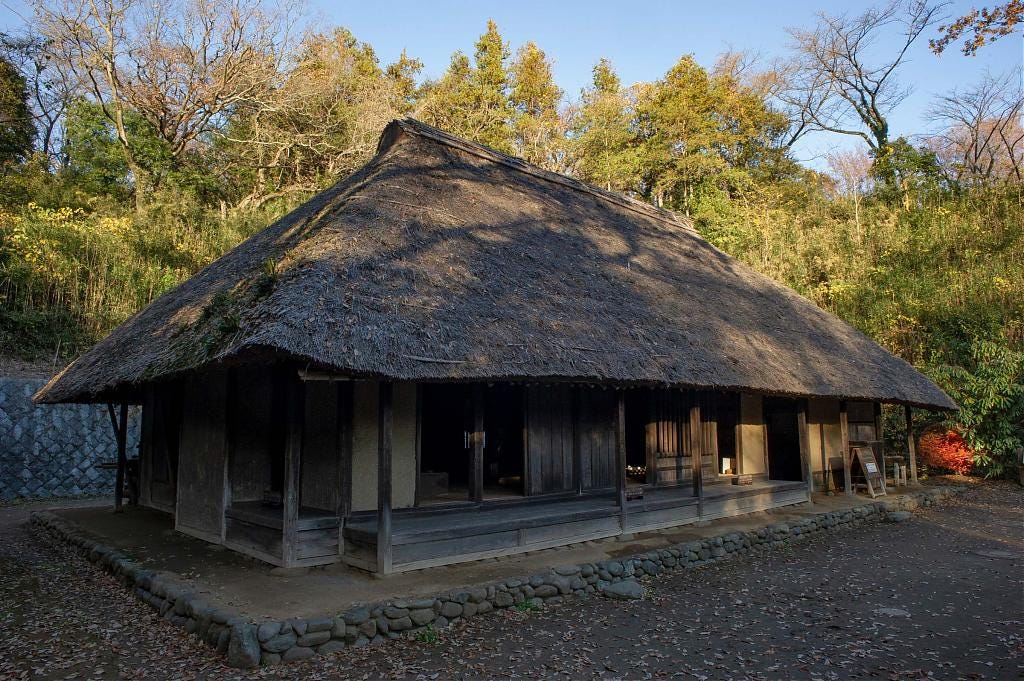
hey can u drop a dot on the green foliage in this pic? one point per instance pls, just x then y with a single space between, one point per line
427 634
987 381
69 275
17 131
601 133
528 606
473 101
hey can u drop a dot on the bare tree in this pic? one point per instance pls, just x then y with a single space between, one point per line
51 87
981 136
181 65
852 171
836 82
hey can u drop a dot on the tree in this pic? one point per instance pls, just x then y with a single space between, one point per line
50 85
535 98
601 134
980 139
983 27
182 65
702 132
17 131
321 123
852 171
473 101
838 79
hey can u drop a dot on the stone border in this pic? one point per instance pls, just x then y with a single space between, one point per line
247 643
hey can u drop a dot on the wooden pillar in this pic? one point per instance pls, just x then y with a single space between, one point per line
476 479
697 454
120 426
292 470
738 430
880 447
911 444
576 395
384 432
620 453
805 447
844 438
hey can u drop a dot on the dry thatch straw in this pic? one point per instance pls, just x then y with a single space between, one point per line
443 260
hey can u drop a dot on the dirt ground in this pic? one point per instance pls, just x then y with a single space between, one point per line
250 586
938 596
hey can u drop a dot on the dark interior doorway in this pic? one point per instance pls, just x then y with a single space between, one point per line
446 419
638 416
727 415
783 439
503 447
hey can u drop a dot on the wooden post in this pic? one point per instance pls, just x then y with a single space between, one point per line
620 453
292 470
880 447
911 444
805 447
697 455
844 438
121 428
384 431
576 395
476 480
738 430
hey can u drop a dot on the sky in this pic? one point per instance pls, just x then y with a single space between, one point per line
642 40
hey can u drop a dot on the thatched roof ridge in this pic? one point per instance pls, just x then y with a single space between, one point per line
442 260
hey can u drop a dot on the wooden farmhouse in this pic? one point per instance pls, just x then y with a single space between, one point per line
453 355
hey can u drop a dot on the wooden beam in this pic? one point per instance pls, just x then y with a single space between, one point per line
805 446
620 453
292 471
844 442
577 448
697 454
384 433
880 447
122 455
911 443
476 479
738 430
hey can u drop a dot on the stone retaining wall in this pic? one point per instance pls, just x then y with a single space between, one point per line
248 643
53 450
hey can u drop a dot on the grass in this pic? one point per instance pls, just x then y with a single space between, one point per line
428 635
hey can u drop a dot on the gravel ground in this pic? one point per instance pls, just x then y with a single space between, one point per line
939 596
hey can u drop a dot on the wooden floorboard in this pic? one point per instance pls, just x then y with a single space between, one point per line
419 527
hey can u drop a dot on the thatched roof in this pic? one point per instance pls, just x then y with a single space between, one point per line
443 260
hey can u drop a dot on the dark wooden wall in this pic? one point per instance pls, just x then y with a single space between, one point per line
549 439
321 448
161 429
202 457
255 434
596 438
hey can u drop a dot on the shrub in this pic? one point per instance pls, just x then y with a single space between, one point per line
946 450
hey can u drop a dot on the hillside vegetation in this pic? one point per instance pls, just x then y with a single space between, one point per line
119 183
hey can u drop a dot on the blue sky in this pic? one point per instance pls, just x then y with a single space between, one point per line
642 39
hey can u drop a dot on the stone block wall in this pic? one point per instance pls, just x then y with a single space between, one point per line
53 450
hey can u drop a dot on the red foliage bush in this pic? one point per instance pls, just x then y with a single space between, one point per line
946 451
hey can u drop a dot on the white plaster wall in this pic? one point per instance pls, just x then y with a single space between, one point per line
364 446
752 434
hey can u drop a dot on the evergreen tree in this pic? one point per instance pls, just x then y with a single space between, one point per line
601 133
535 99
17 130
473 101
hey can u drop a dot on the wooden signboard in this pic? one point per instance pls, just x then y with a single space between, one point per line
873 479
